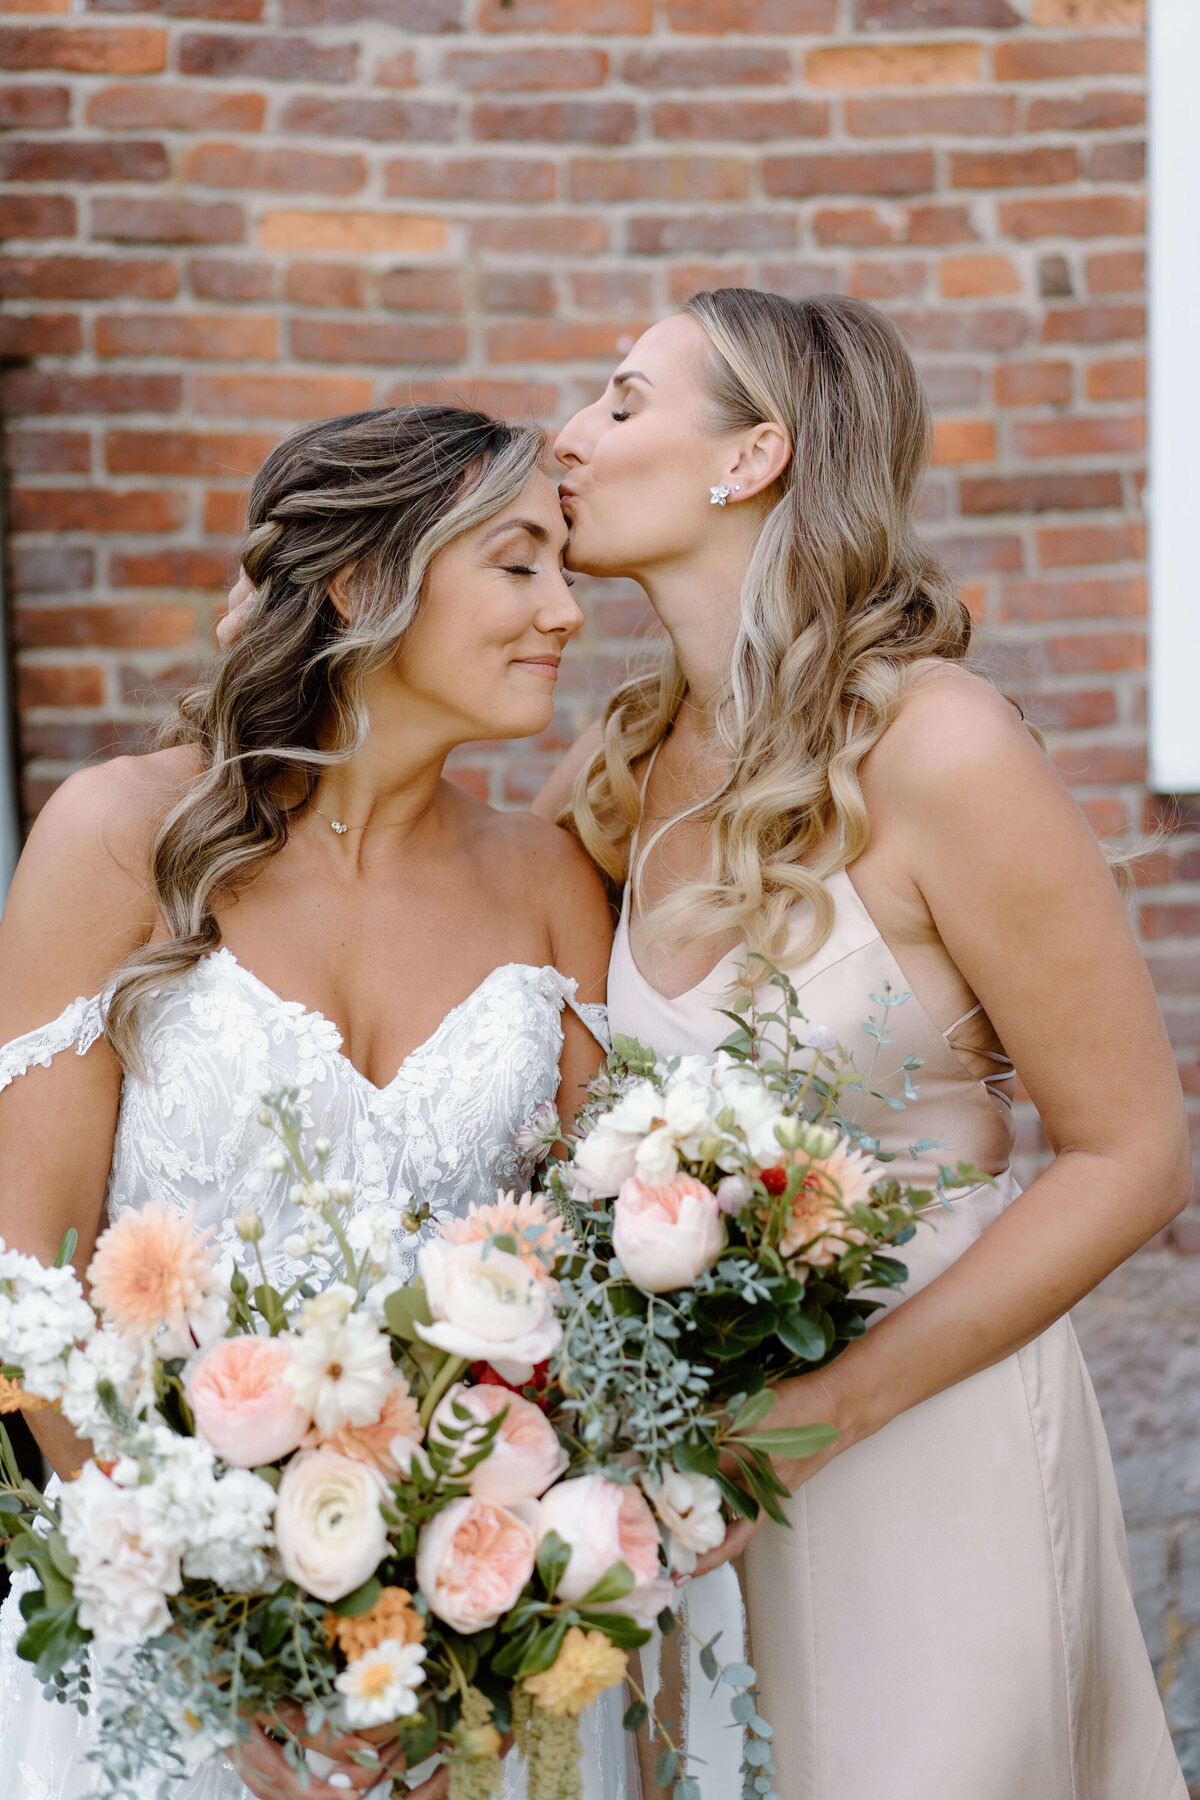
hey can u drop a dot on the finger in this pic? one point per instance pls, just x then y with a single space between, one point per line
262 1765
731 1546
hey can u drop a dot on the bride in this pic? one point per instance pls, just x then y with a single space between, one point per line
293 893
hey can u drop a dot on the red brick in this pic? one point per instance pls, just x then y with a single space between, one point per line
96 509
868 66
887 278
1043 166
190 567
321 340
617 178
137 107
505 178
1097 765
325 284
979 328
1034 384
1117 162
964 441
86 278
424 290
55 684
919 115
36 216
1069 546
1084 436
554 121
1097 652
1026 602
904 172
265 58
224 512
1085 216
397 71
1059 59
525 71
280 396
517 291
1041 493
514 399
291 171
859 226
33 107
552 234
212 336
975 277
362 116
85 50
1122 378
214 454
48 452
102 627
1112 109
556 341
735 122
775 16
604 17
231 278
1116 272
939 225
725 65
1072 709
38 391
687 278
710 233
611 290
934 15
1093 324
155 221
410 16
40 159
51 568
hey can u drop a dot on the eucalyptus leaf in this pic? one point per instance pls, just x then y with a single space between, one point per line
791 1440
636 1715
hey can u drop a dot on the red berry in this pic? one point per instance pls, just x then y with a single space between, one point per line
774 1180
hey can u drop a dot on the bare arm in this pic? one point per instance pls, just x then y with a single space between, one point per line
581 937
551 799
75 910
1020 896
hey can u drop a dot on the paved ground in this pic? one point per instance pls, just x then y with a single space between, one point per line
1140 1333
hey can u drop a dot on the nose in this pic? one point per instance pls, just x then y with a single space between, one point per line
572 445
559 611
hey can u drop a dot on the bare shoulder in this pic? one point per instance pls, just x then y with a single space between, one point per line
546 852
953 734
107 815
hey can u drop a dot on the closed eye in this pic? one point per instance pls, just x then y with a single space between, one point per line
518 569
619 416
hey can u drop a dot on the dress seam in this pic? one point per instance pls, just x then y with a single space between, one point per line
1058 1596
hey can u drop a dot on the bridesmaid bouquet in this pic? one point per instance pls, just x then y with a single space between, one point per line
343 1502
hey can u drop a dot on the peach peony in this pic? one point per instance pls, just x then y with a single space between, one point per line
151 1268
666 1234
241 1402
525 1457
473 1559
539 1237
604 1522
376 1443
818 1227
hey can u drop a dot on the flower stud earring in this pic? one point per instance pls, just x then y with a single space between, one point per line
719 495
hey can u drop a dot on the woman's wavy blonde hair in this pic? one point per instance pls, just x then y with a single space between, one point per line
372 497
840 598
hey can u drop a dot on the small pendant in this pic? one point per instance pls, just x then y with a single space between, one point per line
336 825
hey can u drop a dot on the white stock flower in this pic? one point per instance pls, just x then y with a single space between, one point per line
690 1508
382 1685
341 1363
126 1566
128 1367
371 1233
488 1306
41 1320
221 1525
602 1162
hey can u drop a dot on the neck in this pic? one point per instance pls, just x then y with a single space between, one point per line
392 780
698 599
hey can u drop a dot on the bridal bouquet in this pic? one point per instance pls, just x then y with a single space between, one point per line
337 1503
736 1225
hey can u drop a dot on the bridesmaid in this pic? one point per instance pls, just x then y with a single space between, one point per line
812 772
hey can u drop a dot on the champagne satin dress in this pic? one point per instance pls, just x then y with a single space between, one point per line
950 1616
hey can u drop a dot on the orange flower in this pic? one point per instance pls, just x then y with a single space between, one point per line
392 1616
508 1215
151 1268
400 1418
832 1185
13 1398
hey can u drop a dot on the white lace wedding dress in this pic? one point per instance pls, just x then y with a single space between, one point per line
442 1128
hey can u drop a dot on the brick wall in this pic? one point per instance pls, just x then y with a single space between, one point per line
224 216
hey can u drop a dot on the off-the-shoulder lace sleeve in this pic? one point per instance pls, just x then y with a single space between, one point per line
79 1024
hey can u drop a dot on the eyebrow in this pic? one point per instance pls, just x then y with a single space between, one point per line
627 375
537 532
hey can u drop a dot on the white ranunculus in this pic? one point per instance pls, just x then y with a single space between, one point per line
329 1530
125 1565
602 1162
757 1112
638 1111
339 1370
487 1306
656 1159
690 1508
690 1108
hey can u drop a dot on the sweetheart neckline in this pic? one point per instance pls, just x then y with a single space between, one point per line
298 1010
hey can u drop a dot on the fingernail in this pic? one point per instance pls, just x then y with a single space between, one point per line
338 1780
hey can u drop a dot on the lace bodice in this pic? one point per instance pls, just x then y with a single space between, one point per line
218 1040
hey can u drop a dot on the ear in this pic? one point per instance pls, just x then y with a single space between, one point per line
340 593
765 454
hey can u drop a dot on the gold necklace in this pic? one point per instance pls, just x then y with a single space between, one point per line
336 824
